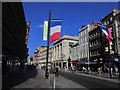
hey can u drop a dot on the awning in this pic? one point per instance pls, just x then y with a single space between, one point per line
87 62
74 62
84 62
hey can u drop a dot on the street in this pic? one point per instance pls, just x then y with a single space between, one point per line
60 45
89 82
66 79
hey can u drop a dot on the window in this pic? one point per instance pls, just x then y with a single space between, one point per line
105 23
71 44
111 18
108 22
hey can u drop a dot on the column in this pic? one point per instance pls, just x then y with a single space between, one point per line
61 64
59 52
55 53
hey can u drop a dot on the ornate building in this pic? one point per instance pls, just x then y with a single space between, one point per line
61 50
112 50
95 46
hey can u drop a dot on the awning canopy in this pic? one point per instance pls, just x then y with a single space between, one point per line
74 62
87 62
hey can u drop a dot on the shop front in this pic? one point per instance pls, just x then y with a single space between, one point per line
74 64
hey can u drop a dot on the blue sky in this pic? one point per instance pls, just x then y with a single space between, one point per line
74 15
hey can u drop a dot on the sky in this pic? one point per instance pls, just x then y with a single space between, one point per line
74 15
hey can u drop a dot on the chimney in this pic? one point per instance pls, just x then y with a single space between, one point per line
96 23
83 26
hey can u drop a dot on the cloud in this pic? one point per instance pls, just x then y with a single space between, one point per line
40 26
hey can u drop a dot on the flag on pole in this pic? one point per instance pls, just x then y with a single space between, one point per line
55 29
107 33
45 30
104 29
27 31
109 37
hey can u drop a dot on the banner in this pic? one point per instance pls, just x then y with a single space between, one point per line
55 29
45 30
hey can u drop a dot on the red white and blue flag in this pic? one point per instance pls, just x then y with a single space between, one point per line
107 32
55 29
104 29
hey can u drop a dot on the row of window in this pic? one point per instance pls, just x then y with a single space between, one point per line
94 34
106 23
84 32
95 52
74 55
85 55
95 42
83 40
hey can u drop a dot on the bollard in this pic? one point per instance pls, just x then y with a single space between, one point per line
54 83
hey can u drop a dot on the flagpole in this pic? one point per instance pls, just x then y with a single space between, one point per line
109 57
48 40
88 28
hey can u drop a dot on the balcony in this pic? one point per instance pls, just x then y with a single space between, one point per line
94 37
96 46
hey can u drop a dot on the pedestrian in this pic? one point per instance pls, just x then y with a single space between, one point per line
108 70
65 68
56 72
99 71
116 72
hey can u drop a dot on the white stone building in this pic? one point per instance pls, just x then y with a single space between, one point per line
61 50
74 55
40 55
43 55
83 42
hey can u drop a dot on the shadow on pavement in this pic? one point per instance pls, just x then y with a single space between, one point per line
15 78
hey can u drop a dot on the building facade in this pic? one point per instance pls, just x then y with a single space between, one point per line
95 47
112 21
14 48
74 55
40 56
83 43
117 23
61 50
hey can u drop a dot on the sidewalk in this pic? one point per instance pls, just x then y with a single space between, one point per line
28 79
103 76
38 81
61 82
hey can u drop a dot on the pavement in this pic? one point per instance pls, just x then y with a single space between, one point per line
36 79
103 76
62 82
90 81
28 79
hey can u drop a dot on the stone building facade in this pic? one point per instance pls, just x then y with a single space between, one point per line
61 50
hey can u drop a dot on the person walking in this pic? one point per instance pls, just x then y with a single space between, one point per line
56 71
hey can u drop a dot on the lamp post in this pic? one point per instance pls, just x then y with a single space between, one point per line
119 67
48 39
